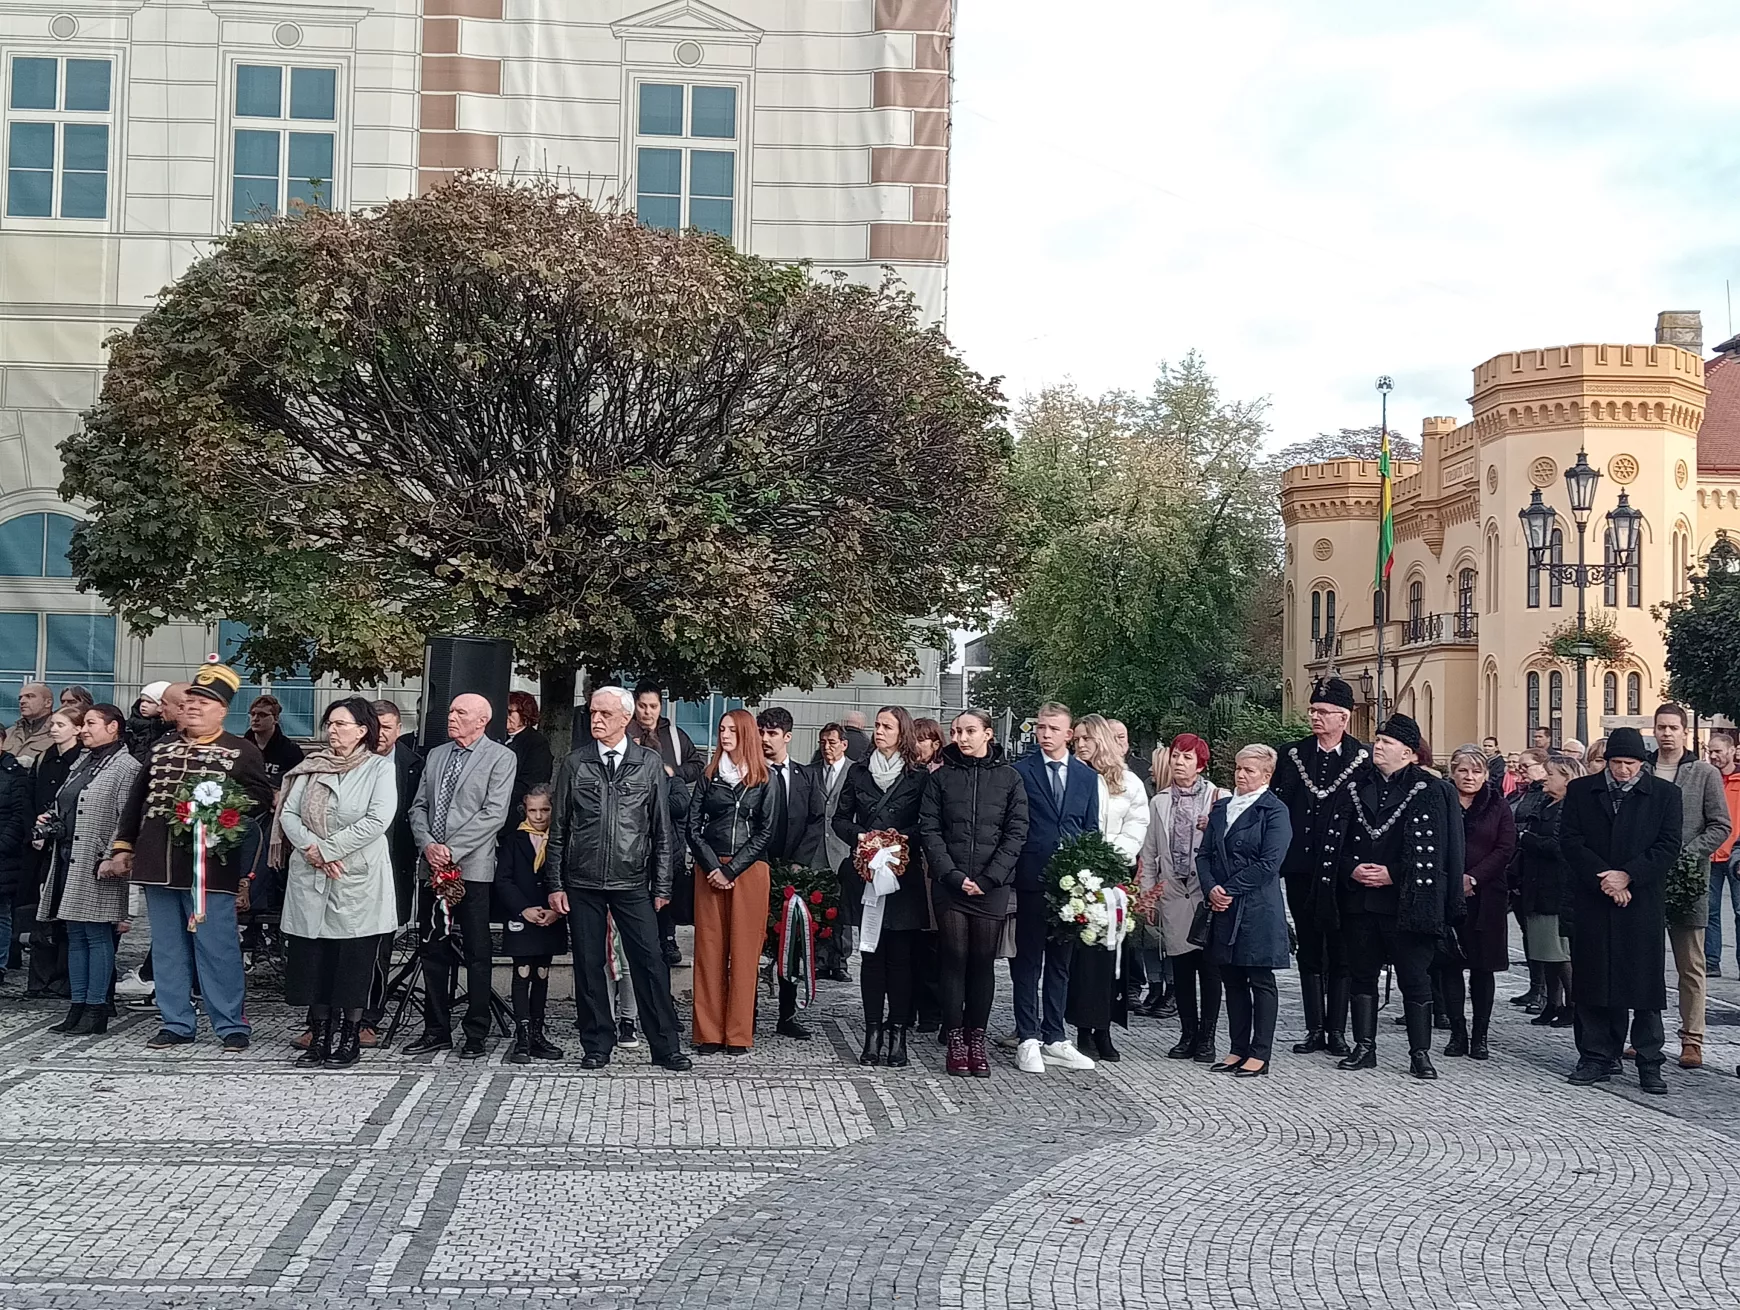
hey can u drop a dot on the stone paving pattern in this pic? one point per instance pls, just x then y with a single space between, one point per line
793 1178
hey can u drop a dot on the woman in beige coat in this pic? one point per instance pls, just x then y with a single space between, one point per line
1178 814
339 900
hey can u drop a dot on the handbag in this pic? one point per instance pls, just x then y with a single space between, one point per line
1198 934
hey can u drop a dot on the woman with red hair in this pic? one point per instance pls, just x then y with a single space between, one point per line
531 750
1178 816
730 825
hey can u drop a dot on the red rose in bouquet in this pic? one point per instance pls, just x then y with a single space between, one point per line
448 885
229 818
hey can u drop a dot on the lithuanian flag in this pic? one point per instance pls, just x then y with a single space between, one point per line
1386 551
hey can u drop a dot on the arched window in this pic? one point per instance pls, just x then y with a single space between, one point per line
1610 694
1609 558
1465 593
34 546
1556 588
1633 694
1633 575
1556 706
1329 613
1534 589
1416 601
1316 615
1426 709
1534 686
1289 621
1492 573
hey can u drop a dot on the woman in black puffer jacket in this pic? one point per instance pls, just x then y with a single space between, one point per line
972 823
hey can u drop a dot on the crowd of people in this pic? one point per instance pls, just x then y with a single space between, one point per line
1353 860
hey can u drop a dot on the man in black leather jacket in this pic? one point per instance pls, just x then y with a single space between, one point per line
612 852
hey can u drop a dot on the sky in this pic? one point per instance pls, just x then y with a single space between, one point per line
1312 193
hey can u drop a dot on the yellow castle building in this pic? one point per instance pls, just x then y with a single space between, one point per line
1467 619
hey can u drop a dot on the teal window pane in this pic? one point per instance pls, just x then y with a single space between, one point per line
60 530
17 655
660 211
661 110
256 154
34 83
710 172
296 693
21 546
310 171
84 195
31 146
29 195
314 93
87 85
254 190
84 147
711 216
253 199
259 91
661 172
80 646
713 112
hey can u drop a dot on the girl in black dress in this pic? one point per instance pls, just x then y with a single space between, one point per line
532 933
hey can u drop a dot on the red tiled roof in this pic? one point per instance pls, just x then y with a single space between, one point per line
1719 437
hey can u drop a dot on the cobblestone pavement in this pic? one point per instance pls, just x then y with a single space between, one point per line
794 1178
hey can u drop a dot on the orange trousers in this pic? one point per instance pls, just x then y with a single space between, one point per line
730 930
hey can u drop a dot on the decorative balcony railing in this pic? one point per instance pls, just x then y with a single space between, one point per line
1460 628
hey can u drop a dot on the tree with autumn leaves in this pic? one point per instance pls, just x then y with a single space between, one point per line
497 409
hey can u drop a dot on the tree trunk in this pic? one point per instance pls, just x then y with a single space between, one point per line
556 693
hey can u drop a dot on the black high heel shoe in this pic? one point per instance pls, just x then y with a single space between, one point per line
1253 1073
1223 1067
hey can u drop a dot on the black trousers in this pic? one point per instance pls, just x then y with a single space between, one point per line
1250 1010
1601 1034
926 1002
1320 950
472 925
966 967
885 975
1372 940
638 929
1482 986
1186 970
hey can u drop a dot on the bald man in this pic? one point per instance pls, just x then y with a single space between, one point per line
461 804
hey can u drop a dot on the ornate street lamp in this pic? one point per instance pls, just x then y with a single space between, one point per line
1365 687
1538 520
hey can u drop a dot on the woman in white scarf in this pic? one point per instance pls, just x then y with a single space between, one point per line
880 794
1099 977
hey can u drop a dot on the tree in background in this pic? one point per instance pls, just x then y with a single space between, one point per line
497 410
1347 443
1153 531
1703 669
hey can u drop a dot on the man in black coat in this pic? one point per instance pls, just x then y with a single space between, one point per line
17 859
800 832
611 853
1312 779
1619 833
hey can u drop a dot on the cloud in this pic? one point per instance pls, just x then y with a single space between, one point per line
1313 194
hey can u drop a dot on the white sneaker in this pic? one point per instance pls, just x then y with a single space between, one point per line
1009 1042
133 987
1065 1054
1028 1058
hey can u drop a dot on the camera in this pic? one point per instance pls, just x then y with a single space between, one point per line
48 829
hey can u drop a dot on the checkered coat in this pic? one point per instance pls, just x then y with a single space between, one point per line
87 898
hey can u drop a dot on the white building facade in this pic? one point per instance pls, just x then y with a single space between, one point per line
136 130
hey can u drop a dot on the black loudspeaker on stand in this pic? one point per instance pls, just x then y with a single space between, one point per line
453 666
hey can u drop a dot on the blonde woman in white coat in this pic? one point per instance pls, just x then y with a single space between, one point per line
1178 818
1100 978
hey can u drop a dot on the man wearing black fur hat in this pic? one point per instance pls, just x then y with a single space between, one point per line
1401 888
1619 835
1312 781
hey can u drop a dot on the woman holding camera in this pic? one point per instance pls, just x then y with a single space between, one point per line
78 829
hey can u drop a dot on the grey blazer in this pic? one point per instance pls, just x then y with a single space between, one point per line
478 810
837 850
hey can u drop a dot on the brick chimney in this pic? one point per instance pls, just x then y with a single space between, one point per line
1680 327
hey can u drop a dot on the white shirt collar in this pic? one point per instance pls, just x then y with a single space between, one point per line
1335 749
620 747
1240 802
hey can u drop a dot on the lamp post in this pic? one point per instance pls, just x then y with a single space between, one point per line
1381 606
1538 519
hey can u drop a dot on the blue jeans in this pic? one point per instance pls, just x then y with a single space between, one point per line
218 951
1725 875
1037 956
90 960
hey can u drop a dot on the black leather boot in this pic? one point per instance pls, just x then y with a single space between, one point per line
540 1046
1186 1043
522 1052
896 1046
1458 1043
872 1053
349 1048
1364 1052
1335 1014
1203 1051
1420 1041
1311 992
75 1013
1477 1047
319 1042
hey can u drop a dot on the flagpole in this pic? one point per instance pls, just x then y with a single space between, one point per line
1386 547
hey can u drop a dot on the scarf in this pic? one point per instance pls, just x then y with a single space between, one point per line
729 771
1187 808
886 769
540 840
316 801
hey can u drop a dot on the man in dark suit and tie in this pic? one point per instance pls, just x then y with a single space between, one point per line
1063 801
800 819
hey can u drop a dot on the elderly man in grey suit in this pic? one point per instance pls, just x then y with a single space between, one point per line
461 804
